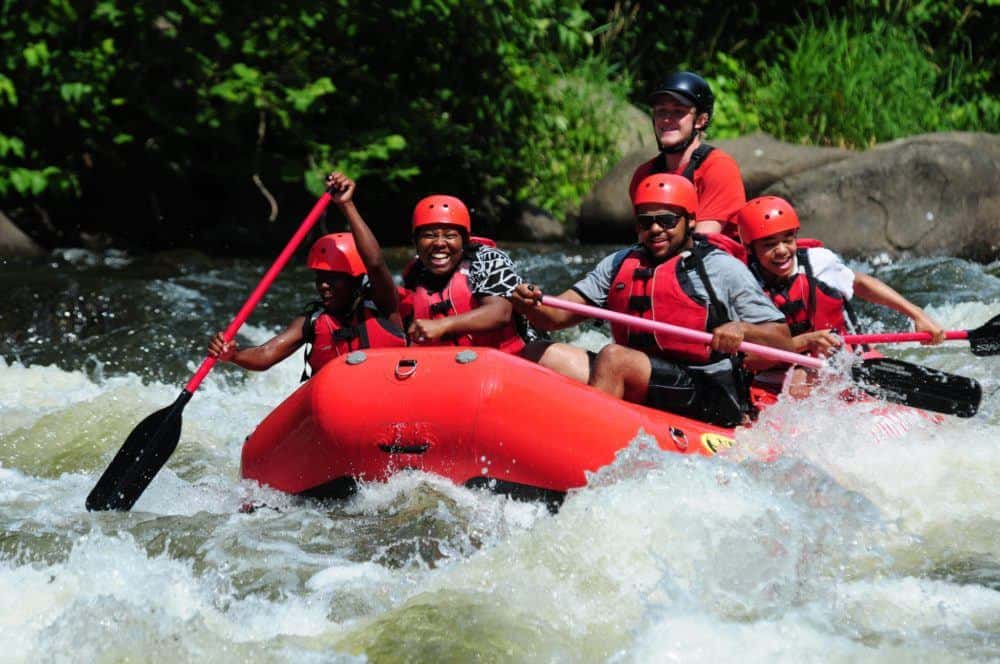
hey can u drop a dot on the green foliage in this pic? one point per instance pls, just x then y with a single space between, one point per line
735 112
171 108
572 134
845 84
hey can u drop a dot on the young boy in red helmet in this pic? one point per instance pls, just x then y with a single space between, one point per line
358 306
810 284
454 290
675 276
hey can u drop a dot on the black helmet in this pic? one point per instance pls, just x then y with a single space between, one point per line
688 87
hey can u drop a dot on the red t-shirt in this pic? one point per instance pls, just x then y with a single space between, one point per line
719 185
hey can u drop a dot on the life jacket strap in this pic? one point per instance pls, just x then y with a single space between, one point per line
441 308
640 303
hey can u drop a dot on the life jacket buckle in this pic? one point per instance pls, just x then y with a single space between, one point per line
441 308
640 303
642 340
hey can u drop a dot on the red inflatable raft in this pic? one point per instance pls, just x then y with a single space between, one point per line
479 417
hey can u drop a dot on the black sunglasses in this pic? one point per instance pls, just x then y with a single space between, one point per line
667 220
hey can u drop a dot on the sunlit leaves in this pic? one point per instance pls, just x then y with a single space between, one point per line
7 91
302 98
74 92
11 145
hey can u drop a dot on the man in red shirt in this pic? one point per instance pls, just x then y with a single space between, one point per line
682 110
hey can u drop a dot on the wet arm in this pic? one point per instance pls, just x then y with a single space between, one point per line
383 290
492 313
776 335
870 289
276 349
525 301
384 293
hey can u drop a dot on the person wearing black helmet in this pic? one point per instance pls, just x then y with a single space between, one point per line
682 107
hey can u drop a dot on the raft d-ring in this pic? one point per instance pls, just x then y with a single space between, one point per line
679 437
405 369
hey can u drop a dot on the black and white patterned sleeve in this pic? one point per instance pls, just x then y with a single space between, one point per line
492 273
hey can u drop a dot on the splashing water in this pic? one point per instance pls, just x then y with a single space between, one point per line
870 537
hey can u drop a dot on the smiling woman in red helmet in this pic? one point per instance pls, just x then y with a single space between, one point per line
454 290
358 305
810 284
676 276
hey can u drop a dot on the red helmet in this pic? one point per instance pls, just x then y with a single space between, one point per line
441 209
765 216
336 253
667 189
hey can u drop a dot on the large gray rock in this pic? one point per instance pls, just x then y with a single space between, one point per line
637 131
606 212
530 223
764 159
928 194
14 241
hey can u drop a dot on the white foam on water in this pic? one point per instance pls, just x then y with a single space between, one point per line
109 596
28 393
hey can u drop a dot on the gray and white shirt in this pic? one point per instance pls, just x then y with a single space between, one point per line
735 286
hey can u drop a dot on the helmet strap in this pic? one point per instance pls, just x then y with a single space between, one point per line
357 298
680 147
688 230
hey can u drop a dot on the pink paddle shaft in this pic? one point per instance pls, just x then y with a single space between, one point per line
262 287
682 332
898 337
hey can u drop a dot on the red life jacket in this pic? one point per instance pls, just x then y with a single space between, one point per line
727 244
698 157
457 298
330 338
665 293
807 302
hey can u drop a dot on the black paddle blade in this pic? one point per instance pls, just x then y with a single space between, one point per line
985 339
145 451
918 386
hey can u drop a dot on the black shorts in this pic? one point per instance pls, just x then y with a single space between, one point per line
720 397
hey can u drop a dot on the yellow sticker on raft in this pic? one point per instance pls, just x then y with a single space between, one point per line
714 441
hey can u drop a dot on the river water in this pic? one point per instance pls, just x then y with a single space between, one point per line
851 546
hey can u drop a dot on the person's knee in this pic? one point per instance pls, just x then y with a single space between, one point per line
612 355
621 371
613 360
559 357
536 350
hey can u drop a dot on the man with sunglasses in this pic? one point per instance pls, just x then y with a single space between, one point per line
676 276
682 109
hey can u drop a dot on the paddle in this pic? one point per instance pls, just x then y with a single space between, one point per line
153 441
893 380
983 341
